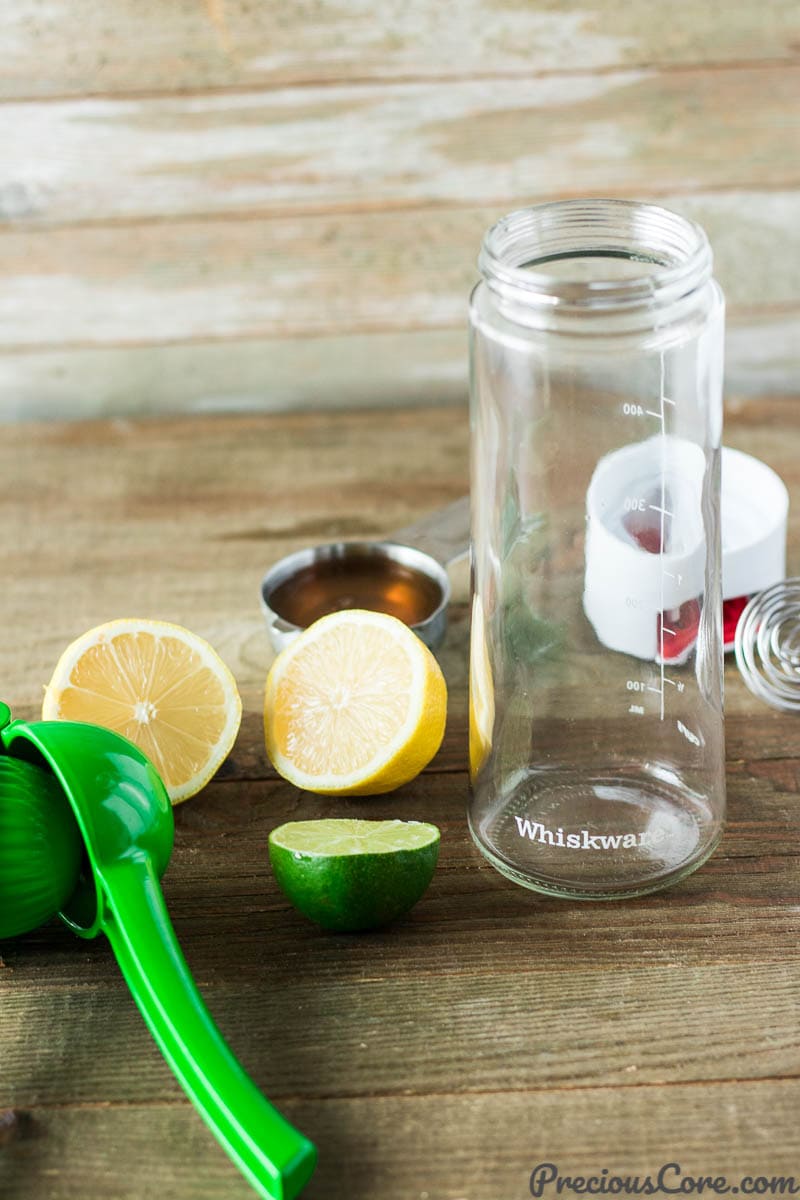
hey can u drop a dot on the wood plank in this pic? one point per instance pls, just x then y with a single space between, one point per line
74 48
99 321
485 142
761 355
404 1035
323 276
358 370
344 371
440 1147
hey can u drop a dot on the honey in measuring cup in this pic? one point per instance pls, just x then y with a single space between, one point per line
358 581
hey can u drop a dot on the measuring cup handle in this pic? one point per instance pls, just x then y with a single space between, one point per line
275 1158
445 534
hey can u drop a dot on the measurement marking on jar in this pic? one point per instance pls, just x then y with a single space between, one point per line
662 511
639 504
655 413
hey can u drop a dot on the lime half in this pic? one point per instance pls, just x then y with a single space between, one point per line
348 875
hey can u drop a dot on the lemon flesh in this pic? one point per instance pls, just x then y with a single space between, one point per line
351 875
356 705
159 685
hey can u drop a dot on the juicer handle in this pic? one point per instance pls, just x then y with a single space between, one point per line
443 534
275 1158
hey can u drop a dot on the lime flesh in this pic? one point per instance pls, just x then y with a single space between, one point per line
349 875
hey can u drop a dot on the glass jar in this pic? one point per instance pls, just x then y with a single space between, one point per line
596 732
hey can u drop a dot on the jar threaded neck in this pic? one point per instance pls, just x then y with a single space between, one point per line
559 256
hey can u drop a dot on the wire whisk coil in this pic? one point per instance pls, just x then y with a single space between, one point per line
768 645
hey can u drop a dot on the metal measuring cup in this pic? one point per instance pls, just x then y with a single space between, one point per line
418 554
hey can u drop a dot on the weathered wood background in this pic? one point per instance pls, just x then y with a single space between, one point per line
219 204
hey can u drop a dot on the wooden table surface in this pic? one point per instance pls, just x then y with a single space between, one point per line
491 1030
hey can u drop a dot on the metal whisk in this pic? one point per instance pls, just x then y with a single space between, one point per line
768 645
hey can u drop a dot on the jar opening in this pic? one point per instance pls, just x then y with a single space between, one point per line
595 254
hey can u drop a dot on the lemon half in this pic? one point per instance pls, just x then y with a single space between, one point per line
161 686
356 705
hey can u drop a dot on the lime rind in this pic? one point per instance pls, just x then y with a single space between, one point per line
327 872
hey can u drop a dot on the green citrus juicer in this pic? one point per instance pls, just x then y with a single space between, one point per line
98 866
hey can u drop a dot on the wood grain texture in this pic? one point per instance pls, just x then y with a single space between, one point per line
76 47
489 1031
476 141
319 311
405 1004
418 367
271 206
458 1147
323 276
340 371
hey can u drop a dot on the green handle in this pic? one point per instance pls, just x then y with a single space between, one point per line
275 1158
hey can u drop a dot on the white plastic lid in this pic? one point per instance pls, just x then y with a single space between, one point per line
646 603
755 509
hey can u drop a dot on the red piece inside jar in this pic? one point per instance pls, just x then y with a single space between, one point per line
677 628
677 631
